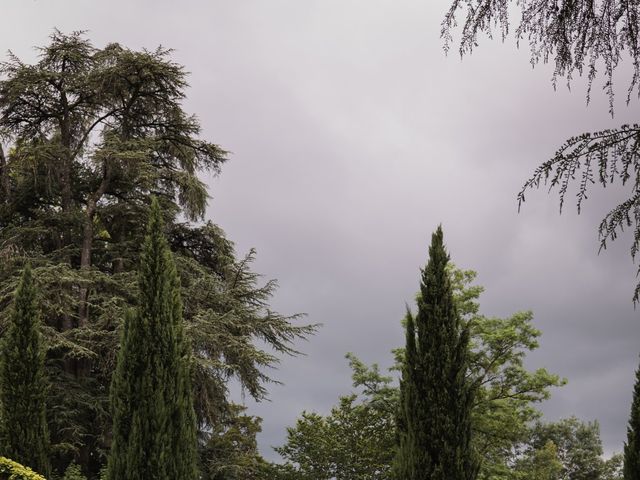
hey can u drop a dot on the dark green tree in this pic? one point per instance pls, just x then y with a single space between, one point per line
23 384
434 419
632 445
232 450
89 133
154 423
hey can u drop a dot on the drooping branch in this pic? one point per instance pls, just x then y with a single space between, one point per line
602 157
577 36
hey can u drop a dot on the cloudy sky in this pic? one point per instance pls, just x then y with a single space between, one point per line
352 137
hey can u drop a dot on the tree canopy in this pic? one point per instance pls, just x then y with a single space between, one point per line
89 135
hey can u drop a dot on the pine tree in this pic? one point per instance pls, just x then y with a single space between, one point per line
154 426
434 427
632 446
23 385
74 183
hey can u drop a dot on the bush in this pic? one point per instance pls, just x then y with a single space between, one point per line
10 470
73 472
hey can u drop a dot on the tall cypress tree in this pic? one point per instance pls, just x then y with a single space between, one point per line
23 385
632 446
154 426
434 426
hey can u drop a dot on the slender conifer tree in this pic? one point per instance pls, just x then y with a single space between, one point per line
154 426
632 446
434 426
23 384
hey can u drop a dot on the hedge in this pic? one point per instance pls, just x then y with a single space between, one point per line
10 470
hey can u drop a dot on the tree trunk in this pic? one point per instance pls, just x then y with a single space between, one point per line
4 178
87 242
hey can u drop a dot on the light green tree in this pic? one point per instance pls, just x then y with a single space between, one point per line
356 440
542 464
577 447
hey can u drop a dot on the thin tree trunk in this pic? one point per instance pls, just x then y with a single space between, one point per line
87 241
66 163
4 178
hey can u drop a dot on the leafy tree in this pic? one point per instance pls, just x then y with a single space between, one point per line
542 464
578 447
434 421
23 384
90 133
232 450
577 453
73 472
154 424
578 37
356 440
632 445
506 392
613 468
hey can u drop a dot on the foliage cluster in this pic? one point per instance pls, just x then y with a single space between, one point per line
14 471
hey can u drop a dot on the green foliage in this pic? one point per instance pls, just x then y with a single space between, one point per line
504 405
565 450
505 392
632 445
613 468
231 452
543 464
15 471
23 385
154 424
434 414
577 445
73 472
356 440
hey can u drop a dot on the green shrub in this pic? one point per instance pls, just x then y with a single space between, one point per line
10 470
73 472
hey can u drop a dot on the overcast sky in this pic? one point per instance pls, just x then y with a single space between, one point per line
352 137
